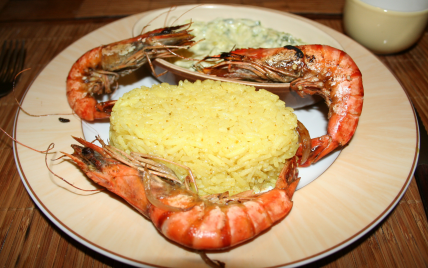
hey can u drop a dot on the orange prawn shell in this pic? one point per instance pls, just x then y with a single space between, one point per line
77 93
340 73
206 225
310 69
210 227
97 71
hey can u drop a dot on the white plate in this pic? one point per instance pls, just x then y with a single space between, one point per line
354 194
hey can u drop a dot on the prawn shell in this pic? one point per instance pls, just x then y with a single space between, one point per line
211 227
183 217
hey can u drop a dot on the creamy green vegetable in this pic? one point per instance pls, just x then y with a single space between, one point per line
223 35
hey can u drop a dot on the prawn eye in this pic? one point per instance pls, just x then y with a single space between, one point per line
225 55
299 53
165 31
87 151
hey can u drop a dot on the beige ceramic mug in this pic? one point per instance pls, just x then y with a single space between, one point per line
385 26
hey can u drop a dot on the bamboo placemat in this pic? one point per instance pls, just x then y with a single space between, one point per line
29 239
78 9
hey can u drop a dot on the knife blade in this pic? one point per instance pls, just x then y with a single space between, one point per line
421 173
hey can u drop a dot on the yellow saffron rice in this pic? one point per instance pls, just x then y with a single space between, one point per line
233 137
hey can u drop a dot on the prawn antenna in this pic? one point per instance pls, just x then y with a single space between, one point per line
186 12
50 148
26 146
61 178
163 13
19 104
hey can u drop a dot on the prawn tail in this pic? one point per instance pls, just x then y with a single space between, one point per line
289 177
321 147
86 108
103 109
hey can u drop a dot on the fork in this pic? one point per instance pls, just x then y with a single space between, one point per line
11 62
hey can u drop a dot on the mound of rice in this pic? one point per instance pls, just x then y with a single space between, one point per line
233 137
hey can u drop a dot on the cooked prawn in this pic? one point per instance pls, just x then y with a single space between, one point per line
97 71
310 69
203 223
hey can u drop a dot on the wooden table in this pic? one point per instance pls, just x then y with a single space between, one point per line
28 238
